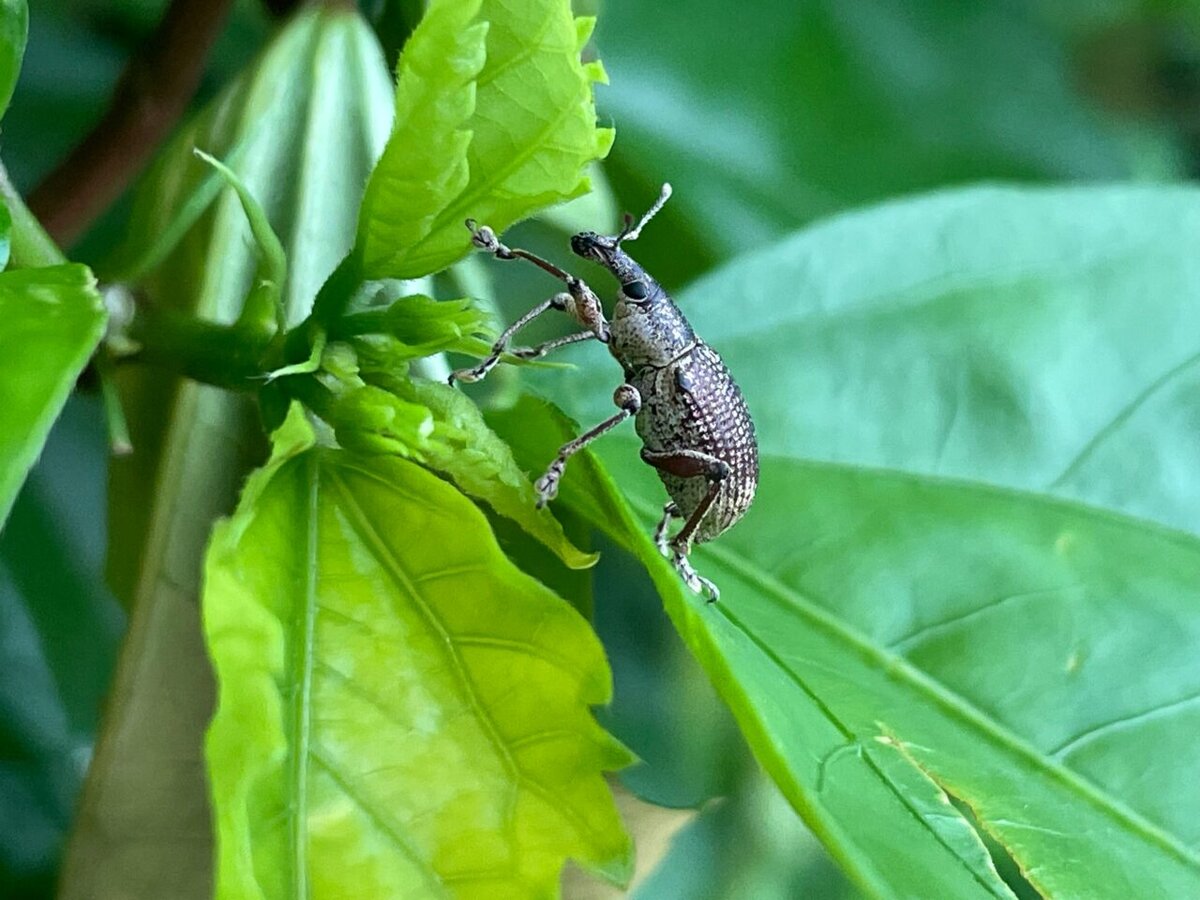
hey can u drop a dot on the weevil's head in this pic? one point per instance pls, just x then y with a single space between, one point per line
606 249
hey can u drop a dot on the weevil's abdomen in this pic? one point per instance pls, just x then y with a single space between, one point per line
694 404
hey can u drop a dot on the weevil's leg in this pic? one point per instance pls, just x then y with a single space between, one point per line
698 583
558 301
670 511
542 349
579 301
691 464
485 239
628 401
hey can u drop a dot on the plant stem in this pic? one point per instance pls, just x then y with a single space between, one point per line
151 95
114 414
221 355
32 247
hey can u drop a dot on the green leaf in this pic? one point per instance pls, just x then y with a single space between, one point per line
495 143
653 829
14 28
53 319
302 127
971 569
823 107
61 630
424 166
369 419
482 465
381 731
413 327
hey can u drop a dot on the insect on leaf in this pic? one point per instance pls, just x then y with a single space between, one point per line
972 568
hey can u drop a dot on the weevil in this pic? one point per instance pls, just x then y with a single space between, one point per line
695 427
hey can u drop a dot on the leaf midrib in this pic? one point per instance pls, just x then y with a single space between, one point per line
463 202
1186 539
367 532
922 684
870 762
303 658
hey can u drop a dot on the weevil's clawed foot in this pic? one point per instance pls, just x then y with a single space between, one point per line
470 376
698 583
547 485
483 237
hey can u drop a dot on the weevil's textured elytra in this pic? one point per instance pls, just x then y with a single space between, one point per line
689 412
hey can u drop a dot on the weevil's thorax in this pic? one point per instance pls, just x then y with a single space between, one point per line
646 329
648 333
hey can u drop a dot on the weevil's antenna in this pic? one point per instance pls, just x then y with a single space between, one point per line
630 232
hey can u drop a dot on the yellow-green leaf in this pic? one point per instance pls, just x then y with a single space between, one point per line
482 465
402 712
495 143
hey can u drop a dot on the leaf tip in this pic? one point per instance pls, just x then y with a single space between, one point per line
584 26
604 142
595 72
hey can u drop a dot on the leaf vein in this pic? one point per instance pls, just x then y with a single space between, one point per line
1122 416
360 800
1132 720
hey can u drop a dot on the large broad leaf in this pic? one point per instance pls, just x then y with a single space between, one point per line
973 568
53 319
302 129
767 115
494 143
402 712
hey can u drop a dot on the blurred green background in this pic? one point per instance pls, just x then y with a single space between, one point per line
764 115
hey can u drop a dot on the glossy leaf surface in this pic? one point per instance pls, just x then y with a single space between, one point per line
974 560
402 712
490 129
302 127
464 448
53 319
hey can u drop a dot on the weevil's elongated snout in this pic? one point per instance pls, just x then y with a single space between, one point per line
592 246
607 252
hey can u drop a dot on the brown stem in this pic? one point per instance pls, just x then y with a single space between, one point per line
152 94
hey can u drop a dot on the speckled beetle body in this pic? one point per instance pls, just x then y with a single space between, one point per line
695 427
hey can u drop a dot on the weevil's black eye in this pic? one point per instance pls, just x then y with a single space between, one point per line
635 290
